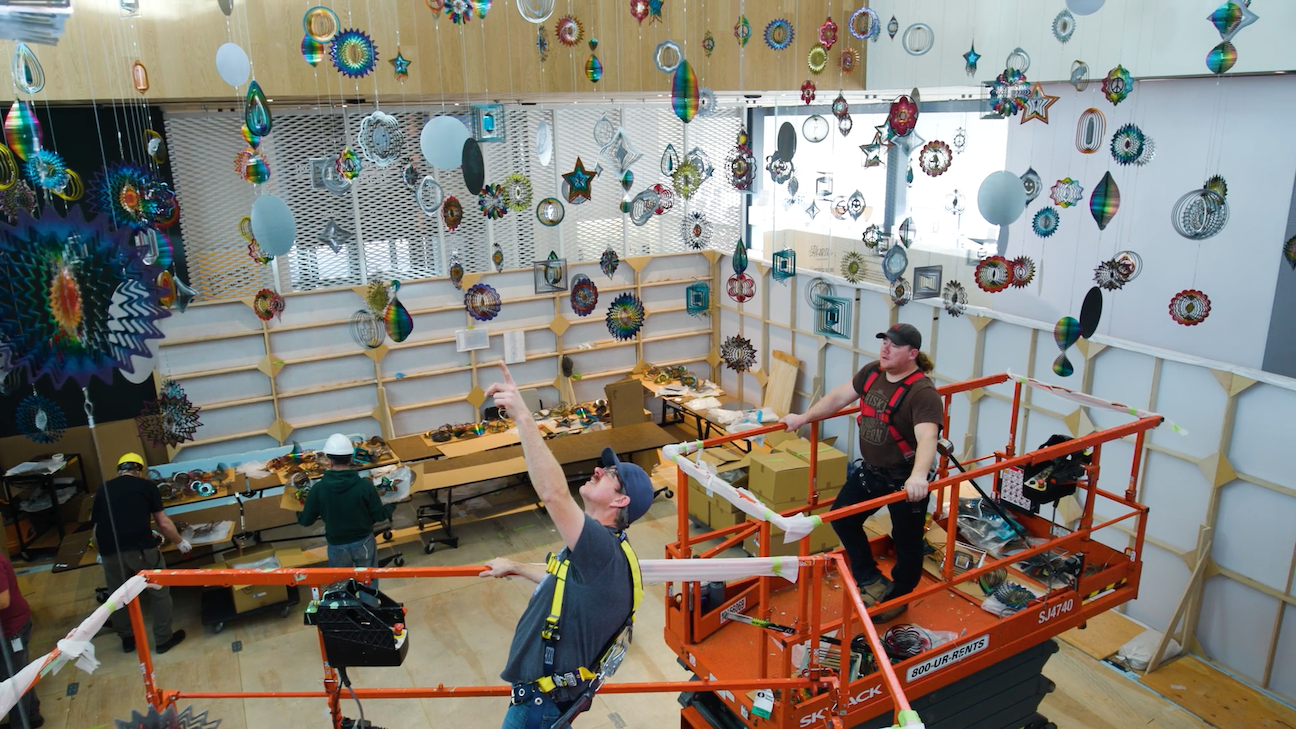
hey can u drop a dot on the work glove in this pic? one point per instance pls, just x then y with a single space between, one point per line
184 546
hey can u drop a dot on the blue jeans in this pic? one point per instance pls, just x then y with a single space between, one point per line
363 553
516 718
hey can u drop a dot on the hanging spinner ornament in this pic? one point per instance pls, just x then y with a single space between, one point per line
256 114
1065 333
609 261
456 270
397 317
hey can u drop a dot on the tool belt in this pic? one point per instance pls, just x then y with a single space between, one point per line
899 473
527 693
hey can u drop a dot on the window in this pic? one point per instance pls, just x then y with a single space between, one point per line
800 212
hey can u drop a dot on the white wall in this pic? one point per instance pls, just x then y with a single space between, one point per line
1201 128
1148 37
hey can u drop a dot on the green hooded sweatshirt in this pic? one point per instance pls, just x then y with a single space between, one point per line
349 505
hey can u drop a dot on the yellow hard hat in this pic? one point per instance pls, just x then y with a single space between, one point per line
130 458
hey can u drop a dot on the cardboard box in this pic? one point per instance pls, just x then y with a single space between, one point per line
831 467
647 460
725 515
778 477
731 467
822 539
251 597
699 504
626 401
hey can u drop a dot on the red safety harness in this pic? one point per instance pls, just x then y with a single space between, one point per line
884 415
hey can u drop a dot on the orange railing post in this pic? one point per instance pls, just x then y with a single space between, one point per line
151 692
879 652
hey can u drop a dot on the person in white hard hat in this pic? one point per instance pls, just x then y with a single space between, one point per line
349 505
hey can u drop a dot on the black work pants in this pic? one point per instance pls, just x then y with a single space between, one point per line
15 661
907 521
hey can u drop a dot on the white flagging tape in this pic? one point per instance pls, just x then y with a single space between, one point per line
715 570
76 646
795 527
1094 402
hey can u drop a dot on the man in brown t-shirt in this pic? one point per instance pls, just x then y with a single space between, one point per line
898 446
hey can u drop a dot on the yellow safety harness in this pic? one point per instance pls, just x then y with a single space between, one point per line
550 633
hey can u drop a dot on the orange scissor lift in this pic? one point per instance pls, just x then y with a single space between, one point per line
731 658
825 597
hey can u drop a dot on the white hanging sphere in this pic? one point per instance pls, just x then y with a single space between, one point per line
232 64
1084 7
1001 198
442 141
273 224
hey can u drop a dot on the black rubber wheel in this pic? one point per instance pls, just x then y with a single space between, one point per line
387 536
429 547
218 627
670 494
399 561
283 611
101 595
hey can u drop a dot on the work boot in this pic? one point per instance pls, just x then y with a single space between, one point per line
176 639
875 591
128 644
890 614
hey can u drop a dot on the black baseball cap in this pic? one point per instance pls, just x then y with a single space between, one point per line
636 482
904 335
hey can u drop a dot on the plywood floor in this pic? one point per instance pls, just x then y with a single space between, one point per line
461 629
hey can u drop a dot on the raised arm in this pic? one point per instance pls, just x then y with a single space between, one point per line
827 405
546 475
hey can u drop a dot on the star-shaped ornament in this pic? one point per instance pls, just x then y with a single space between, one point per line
883 135
333 235
876 146
578 182
401 65
655 11
1037 104
970 60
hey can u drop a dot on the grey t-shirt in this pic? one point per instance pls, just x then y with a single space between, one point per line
597 601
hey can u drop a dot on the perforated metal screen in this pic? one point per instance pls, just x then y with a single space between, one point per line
399 240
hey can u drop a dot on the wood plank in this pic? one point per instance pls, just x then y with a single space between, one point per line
782 381
480 443
1217 697
1105 634
1091 695
413 448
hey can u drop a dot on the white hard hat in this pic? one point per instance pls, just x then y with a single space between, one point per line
338 445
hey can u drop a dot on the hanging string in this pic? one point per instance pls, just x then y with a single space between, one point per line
370 23
94 106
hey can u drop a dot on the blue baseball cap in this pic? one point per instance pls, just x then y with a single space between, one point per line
636 482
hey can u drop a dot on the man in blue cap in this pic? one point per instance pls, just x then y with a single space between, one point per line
586 594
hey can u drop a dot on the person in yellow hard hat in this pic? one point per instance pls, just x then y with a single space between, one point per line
122 512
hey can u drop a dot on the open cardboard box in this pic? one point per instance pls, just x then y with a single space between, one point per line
251 597
713 505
